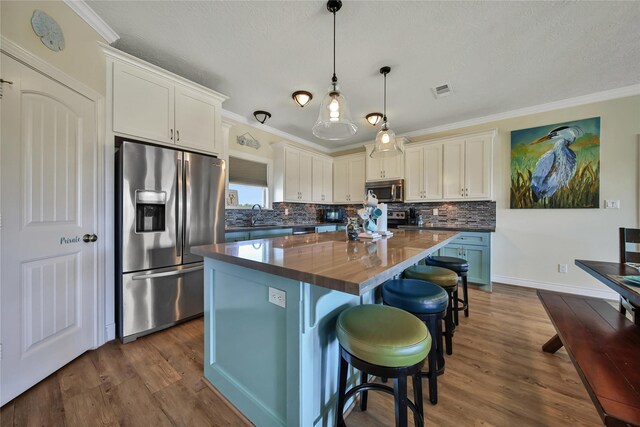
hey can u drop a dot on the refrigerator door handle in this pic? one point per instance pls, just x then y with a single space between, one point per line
179 214
187 203
167 273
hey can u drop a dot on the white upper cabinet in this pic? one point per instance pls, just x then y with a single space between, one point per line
196 120
468 167
322 180
142 103
458 168
386 168
349 178
301 176
423 173
149 103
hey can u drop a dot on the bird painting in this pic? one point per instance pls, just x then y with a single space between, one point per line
556 166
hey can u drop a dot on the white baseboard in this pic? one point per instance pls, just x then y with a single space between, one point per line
109 332
558 287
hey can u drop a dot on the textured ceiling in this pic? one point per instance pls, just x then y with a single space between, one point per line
497 56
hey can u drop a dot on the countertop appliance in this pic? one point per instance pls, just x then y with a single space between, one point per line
387 191
167 201
334 215
396 218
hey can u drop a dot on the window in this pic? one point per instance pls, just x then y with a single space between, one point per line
249 179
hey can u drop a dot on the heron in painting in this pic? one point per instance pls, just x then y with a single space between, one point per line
557 166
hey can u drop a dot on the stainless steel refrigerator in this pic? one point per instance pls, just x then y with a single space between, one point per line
167 201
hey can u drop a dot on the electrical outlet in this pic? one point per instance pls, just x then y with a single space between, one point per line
286 211
277 297
562 268
435 212
612 204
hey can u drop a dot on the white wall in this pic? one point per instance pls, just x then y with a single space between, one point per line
529 244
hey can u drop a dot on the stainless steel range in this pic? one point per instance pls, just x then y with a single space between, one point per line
396 218
166 202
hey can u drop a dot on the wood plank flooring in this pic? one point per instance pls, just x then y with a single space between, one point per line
497 376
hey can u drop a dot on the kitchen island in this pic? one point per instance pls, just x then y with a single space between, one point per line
270 312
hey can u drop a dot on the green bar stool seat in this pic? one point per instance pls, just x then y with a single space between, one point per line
428 302
385 342
461 267
448 280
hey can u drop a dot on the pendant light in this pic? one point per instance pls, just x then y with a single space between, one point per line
334 121
386 143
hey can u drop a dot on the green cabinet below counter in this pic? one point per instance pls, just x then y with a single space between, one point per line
239 236
475 247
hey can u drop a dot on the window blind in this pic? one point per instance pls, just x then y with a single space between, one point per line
246 172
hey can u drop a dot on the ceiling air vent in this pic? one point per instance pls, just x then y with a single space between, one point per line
442 90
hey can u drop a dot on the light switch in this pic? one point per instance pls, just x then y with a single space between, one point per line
612 204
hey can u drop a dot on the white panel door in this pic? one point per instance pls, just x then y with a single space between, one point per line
195 120
48 202
453 170
433 172
414 174
356 179
317 179
304 172
341 181
291 175
142 104
393 167
327 181
374 167
477 167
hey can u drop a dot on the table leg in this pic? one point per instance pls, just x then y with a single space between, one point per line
553 345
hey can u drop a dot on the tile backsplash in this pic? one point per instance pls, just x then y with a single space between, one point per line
449 214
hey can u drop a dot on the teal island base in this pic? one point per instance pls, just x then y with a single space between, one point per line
277 365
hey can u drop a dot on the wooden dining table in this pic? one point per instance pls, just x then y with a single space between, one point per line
610 274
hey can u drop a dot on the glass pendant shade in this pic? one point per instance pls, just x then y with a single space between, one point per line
386 143
334 121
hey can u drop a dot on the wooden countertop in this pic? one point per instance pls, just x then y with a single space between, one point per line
329 260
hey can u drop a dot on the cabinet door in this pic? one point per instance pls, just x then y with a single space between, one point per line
195 120
356 179
340 181
142 104
452 250
393 167
433 172
317 179
327 181
291 175
453 170
304 174
478 259
373 166
478 168
414 174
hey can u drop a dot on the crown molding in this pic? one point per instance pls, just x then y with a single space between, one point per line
89 16
241 119
606 95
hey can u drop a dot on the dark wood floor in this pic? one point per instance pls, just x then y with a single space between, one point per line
497 376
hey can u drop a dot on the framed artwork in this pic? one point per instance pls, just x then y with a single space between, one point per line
556 166
232 198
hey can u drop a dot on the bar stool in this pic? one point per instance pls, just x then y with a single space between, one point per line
447 280
385 342
428 302
461 267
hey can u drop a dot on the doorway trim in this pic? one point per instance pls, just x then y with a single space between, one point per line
34 62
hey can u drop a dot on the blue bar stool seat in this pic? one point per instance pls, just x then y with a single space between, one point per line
428 302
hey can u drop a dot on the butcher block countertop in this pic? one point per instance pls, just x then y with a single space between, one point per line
329 260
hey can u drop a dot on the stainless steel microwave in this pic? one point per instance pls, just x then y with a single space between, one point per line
387 191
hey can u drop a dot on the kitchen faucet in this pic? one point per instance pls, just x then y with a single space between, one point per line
254 216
